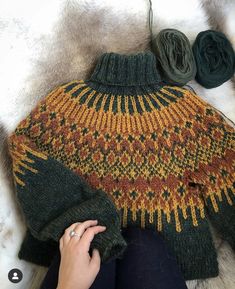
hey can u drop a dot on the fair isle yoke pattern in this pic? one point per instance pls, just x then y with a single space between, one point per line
133 146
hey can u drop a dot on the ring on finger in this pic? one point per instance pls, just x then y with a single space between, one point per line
73 233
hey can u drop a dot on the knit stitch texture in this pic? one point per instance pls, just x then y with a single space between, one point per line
164 156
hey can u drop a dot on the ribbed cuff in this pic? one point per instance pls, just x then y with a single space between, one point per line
110 243
36 251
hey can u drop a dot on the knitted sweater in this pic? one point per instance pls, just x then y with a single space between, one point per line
164 156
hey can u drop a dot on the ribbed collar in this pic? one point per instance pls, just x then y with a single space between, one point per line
126 70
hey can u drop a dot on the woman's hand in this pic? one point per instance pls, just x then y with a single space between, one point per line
77 269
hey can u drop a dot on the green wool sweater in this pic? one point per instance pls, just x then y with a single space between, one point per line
130 150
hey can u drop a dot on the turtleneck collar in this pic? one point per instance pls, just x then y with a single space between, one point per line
126 70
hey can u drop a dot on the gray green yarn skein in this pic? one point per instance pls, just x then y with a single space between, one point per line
175 56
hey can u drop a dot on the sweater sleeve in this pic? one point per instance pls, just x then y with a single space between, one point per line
216 168
52 197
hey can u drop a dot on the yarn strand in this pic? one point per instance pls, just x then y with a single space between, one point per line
151 21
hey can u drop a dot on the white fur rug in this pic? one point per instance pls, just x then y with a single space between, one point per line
45 43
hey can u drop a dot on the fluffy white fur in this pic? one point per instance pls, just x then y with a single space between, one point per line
46 43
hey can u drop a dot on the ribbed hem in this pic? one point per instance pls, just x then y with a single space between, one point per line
224 219
126 70
195 252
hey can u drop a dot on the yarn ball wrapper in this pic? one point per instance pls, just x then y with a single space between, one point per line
215 58
175 56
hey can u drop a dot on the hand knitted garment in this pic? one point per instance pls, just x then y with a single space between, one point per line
164 156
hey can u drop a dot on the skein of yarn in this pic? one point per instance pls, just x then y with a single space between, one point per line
215 58
175 56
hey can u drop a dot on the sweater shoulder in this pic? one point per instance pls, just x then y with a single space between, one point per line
192 106
43 104
34 124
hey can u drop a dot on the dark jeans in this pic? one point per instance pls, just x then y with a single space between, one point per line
146 264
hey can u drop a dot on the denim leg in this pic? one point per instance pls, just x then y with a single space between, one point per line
147 263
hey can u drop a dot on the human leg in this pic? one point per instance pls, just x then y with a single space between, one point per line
147 263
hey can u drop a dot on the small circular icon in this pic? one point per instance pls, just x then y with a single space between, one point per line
15 275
